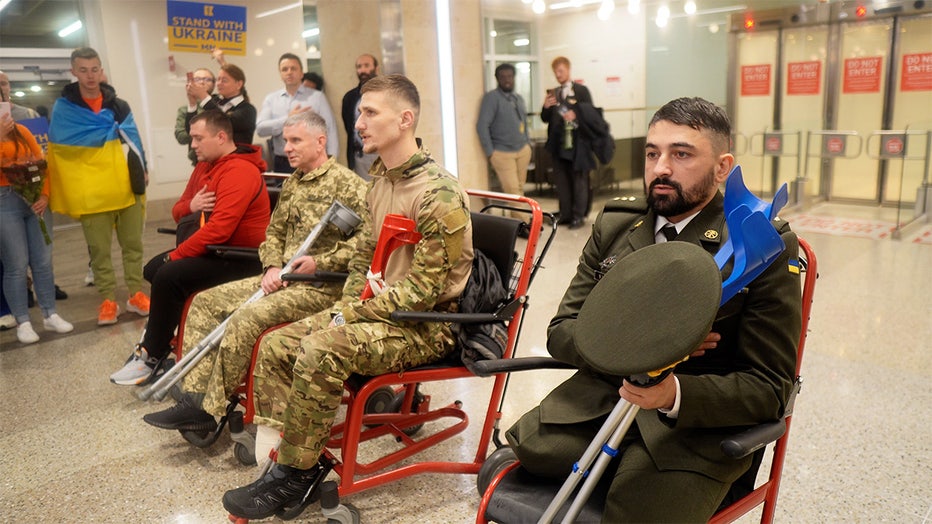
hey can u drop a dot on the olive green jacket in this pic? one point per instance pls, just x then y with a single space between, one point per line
746 380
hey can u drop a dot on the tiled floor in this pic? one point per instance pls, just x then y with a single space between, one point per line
75 449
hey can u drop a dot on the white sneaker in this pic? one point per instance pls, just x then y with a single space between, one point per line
89 277
57 324
7 322
136 369
26 334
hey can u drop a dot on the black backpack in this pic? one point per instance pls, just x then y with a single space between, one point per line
484 293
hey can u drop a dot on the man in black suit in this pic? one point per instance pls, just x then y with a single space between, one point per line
572 159
367 67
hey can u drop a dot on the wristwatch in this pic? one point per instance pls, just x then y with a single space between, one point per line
338 319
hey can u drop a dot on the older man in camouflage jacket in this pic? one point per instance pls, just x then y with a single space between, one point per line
305 197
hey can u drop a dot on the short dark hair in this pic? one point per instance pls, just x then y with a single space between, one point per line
699 114
396 85
291 56
314 77
216 121
84 52
503 67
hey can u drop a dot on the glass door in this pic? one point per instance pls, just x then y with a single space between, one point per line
803 101
912 108
754 101
864 59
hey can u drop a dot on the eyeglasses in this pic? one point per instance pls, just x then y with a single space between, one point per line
202 80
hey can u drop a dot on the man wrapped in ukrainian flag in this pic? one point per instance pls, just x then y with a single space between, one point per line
96 182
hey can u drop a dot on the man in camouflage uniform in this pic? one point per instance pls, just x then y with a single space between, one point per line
305 197
301 368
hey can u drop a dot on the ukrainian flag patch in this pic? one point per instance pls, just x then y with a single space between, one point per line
794 266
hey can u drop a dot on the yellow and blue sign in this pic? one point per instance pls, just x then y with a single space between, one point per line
195 27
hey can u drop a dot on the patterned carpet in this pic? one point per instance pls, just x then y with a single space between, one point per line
852 227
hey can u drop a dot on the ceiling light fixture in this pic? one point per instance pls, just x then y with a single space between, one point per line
314 31
71 28
277 10
606 9
539 7
4 3
521 42
689 7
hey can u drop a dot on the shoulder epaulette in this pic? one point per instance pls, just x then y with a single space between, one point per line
627 204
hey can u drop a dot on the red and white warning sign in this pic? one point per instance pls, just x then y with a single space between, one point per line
894 145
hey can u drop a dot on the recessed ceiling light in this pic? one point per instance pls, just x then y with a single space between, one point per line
70 28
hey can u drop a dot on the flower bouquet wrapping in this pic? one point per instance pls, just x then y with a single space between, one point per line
27 178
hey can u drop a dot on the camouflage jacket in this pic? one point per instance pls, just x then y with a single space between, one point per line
304 199
422 277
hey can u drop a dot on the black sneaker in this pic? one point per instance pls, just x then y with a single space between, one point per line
282 488
60 293
183 416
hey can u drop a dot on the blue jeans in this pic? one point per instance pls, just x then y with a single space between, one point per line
22 245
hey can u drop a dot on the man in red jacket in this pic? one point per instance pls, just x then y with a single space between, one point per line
227 194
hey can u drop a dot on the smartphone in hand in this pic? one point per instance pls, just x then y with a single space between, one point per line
5 109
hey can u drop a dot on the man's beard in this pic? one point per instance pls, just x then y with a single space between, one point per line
680 202
364 77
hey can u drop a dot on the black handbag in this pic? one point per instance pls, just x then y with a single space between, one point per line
190 224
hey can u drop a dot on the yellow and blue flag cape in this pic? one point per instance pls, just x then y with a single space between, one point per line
87 161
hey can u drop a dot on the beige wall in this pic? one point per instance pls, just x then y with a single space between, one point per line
347 30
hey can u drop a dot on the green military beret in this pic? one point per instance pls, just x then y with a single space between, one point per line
650 310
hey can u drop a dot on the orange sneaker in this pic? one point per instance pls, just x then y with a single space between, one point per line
107 313
139 304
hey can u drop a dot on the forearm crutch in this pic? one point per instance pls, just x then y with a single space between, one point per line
344 218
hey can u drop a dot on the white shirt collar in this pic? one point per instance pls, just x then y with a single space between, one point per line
662 221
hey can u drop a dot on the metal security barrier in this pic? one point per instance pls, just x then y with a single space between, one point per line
774 144
894 145
831 144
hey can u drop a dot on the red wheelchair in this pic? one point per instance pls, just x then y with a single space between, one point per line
510 494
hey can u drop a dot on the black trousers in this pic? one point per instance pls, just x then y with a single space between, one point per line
572 190
172 284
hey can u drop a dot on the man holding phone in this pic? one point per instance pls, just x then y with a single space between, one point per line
572 159
204 79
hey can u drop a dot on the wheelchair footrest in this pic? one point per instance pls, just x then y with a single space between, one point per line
522 498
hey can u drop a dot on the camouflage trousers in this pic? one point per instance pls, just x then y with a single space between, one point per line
223 369
300 371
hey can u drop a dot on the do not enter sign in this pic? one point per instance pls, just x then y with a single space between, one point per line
894 146
834 145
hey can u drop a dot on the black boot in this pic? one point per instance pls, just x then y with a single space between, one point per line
282 488
186 415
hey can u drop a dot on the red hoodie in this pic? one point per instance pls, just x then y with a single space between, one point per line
241 210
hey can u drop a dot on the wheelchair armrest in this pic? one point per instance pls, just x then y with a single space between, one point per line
247 253
502 314
756 437
486 368
166 230
317 276
751 440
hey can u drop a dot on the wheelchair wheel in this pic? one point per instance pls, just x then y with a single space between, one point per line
199 439
380 401
354 514
244 455
493 465
415 402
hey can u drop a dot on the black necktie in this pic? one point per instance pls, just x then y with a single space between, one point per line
669 231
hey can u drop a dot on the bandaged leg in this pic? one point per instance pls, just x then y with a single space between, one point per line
267 439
